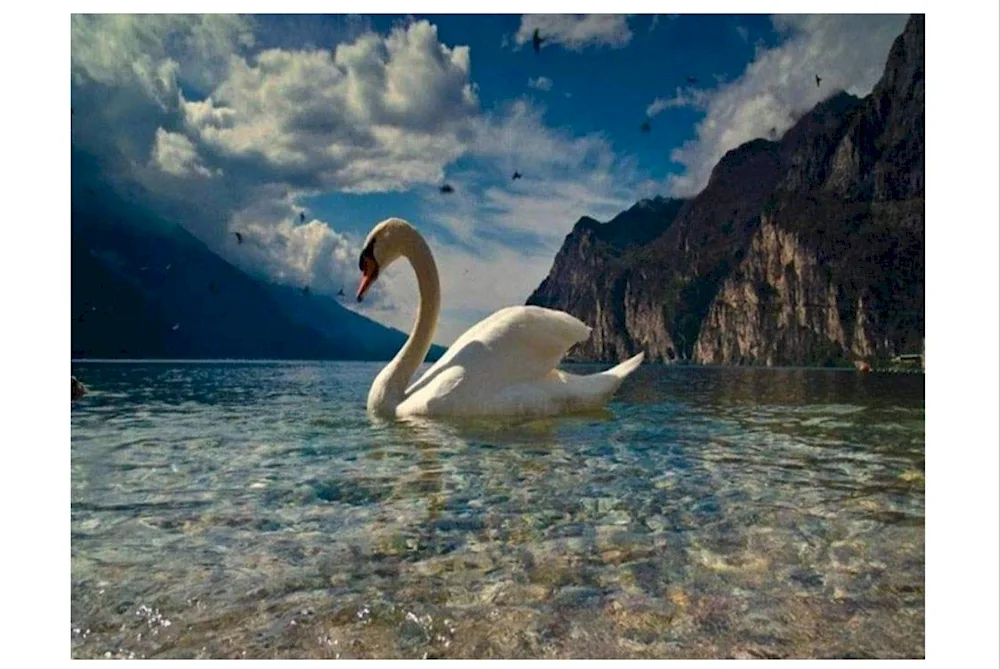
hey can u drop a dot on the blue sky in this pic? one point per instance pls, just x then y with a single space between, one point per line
241 123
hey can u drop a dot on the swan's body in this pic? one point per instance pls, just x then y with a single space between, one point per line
504 365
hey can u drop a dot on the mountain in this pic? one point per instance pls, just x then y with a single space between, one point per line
593 269
808 250
143 287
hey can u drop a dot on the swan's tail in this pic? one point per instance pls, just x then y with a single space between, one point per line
594 390
623 369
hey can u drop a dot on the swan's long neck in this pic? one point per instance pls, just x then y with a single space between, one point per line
389 387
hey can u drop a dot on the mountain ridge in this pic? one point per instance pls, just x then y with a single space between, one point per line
807 250
144 287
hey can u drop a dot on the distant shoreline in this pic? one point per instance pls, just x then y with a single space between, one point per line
294 361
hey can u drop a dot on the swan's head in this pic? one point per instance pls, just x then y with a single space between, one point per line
384 245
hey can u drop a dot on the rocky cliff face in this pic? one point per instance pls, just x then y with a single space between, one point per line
593 271
804 251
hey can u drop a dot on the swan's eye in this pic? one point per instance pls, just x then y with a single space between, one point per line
368 254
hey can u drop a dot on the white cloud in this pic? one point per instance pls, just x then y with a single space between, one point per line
849 53
501 224
376 113
277 245
541 83
575 31
683 97
656 106
381 113
152 50
175 154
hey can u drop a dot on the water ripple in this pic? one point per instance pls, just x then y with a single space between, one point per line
705 513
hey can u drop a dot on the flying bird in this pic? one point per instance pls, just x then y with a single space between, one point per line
692 80
536 41
239 237
340 293
302 217
517 175
645 127
447 189
818 79
305 290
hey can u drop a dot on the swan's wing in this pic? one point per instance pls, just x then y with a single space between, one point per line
514 344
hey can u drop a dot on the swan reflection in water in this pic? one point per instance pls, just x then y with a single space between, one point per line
523 450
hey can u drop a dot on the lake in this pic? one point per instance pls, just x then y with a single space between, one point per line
254 510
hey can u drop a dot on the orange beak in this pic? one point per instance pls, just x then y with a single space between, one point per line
368 276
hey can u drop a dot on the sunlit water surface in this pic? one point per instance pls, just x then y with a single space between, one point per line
255 510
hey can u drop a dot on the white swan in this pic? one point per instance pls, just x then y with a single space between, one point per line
504 365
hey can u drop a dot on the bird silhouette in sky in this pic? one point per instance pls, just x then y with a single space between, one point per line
645 127
447 189
302 217
536 41
340 293
516 176
818 79
692 80
305 290
239 237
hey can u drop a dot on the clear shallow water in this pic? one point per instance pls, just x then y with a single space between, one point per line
254 510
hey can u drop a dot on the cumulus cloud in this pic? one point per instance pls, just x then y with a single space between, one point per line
175 154
541 83
279 246
373 113
153 50
847 51
377 113
575 31
127 72
380 113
